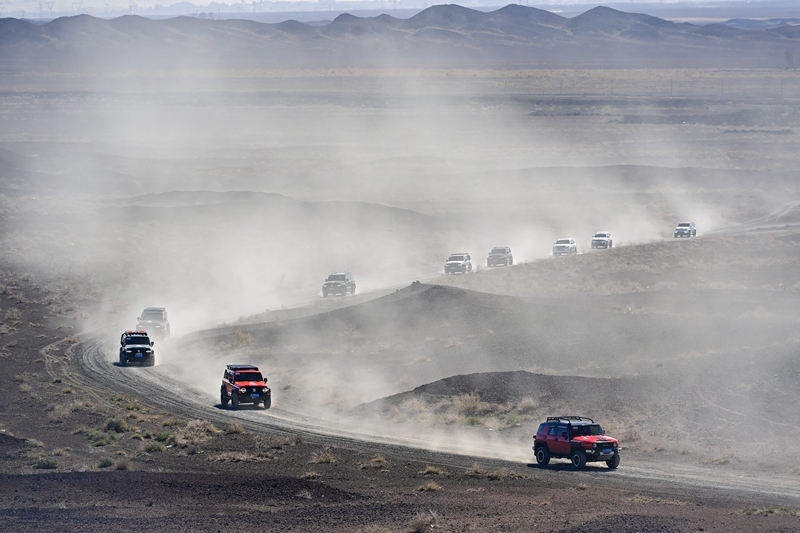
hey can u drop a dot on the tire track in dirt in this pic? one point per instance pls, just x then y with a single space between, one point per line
156 388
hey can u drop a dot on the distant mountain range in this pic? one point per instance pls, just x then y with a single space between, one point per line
444 36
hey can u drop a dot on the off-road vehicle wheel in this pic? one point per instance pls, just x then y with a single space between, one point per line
122 361
542 456
152 362
223 399
234 402
267 403
613 462
578 458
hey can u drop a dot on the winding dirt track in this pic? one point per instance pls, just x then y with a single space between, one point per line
94 358
157 387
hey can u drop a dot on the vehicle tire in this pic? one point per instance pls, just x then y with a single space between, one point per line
234 402
511 261
223 398
613 463
610 244
267 403
354 290
578 459
542 456
152 362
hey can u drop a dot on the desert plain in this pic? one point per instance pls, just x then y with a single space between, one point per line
227 191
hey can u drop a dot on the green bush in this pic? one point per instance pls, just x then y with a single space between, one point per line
45 463
116 424
106 462
155 447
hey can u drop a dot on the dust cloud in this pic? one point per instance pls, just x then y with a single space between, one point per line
223 193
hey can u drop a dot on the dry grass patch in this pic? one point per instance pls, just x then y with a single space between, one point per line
506 474
431 471
234 429
424 522
429 487
311 475
772 509
475 470
234 457
640 498
195 433
323 457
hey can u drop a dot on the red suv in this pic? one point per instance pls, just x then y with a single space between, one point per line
576 438
244 384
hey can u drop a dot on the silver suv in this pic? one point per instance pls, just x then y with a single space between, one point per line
565 247
155 322
685 229
458 264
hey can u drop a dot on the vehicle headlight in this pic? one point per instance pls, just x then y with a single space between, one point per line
129 351
594 445
264 389
242 390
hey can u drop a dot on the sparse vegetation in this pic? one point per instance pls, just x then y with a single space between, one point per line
45 463
424 522
429 487
105 462
117 425
323 457
235 429
432 471
154 447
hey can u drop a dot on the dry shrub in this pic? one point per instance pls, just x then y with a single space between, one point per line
233 457
431 471
429 487
196 432
527 405
311 475
323 457
123 464
304 494
172 422
234 428
424 522
117 425
503 474
475 470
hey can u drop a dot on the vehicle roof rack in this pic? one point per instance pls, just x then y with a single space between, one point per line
242 367
570 418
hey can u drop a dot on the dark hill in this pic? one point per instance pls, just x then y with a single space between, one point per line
514 36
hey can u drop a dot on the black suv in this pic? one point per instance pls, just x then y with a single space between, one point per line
339 283
136 347
154 320
244 384
500 256
576 438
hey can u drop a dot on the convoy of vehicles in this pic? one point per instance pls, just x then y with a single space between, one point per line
576 438
244 384
500 256
339 284
685 229
136 347
460 263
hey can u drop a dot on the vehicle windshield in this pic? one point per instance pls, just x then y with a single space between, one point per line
589 429
600 235
684 225
248 376
562 241
456 258
498 251
151 317
336 277
138 339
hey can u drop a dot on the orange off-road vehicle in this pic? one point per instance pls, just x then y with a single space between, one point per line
576 438
244 384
